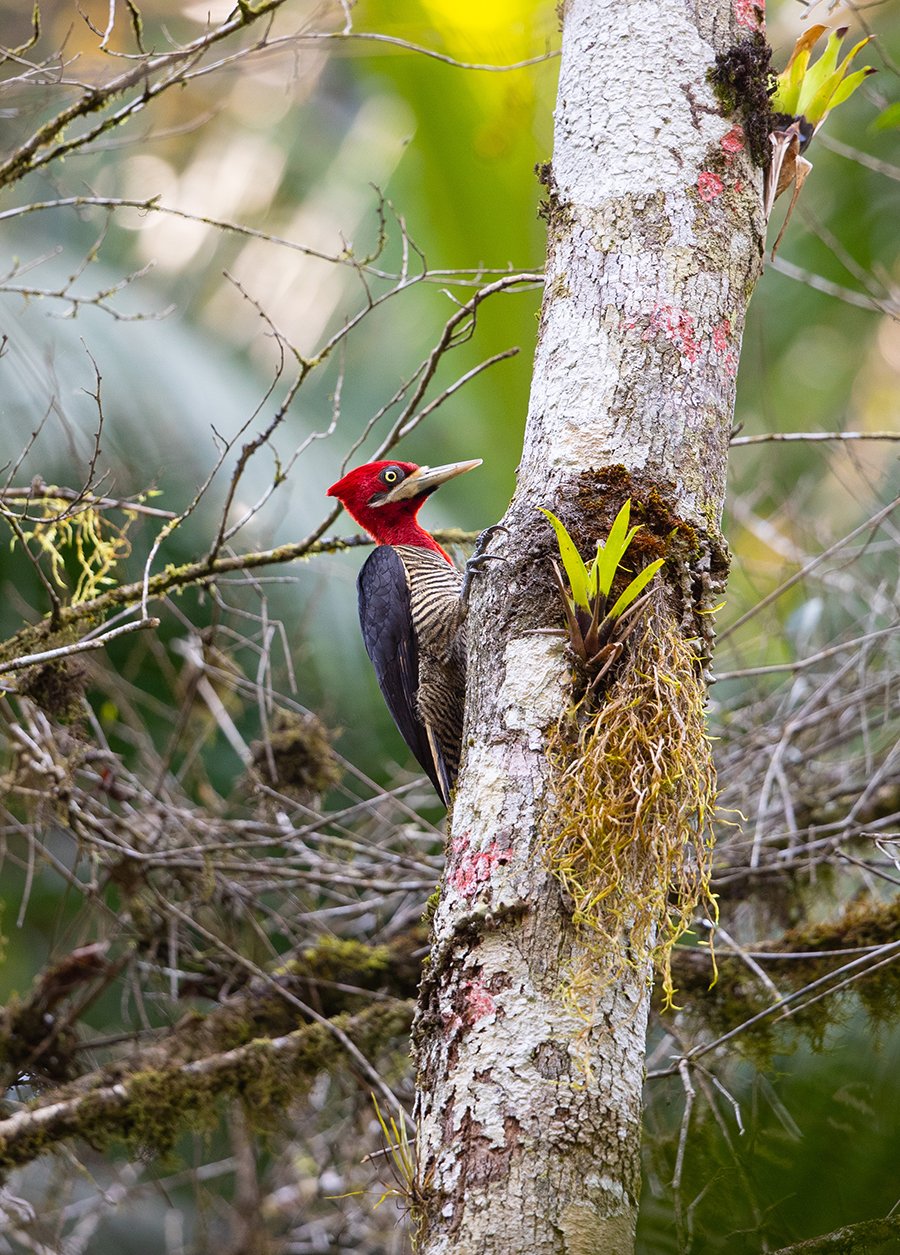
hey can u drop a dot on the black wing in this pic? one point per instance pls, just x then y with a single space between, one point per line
385 617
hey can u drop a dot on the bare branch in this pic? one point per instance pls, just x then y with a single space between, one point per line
870 524
39 491
812 437
404 277
801 664
861 158
420 50
44 146
821 284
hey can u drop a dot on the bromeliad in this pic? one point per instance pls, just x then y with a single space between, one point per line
597 624
803 95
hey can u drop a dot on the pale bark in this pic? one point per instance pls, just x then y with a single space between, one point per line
529 1119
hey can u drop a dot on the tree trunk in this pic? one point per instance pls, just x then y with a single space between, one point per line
529 1100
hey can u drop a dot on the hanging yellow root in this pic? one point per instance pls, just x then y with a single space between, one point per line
631 836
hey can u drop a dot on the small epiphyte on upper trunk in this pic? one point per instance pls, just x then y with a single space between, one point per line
803 97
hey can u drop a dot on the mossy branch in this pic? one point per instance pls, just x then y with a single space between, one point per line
866 924
72 620
810 965
868 1237
150 1108
335 975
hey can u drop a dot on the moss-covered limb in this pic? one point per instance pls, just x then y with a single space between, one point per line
296 757
150 1108
335 976
33 1038
332 962
74 620
46 144
868 1237
738 993
866 923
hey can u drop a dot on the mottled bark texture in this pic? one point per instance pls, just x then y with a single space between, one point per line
529 1115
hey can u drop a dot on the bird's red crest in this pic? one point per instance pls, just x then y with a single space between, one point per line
385 497
361 484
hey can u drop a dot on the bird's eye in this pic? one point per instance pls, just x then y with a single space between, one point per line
392 475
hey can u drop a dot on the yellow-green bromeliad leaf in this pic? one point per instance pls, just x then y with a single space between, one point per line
811 92
611 552
576 571
635 588
589 584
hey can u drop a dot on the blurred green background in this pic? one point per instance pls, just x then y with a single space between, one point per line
302 144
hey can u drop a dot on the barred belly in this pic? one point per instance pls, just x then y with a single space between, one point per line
434 587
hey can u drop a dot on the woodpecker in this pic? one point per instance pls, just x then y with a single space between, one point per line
412 609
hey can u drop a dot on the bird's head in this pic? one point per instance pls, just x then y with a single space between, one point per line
385 497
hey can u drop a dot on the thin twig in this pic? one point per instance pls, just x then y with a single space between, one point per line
812 437
890 951
869 525
39 491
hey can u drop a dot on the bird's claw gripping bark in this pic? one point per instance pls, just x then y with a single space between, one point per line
479 559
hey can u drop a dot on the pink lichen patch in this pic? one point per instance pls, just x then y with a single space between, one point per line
733 142
677 326
476 869
465 880
709 186
720 336
738 185
750 13
452 1025
478 1001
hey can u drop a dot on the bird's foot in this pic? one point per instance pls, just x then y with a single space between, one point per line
479 560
